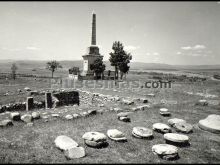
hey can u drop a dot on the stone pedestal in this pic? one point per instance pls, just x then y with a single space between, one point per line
29 103
48 100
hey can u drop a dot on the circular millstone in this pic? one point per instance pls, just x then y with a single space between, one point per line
211 123
175 120
176 138
164 111
116 135
160 127
183 127
166 151
142 132
94 139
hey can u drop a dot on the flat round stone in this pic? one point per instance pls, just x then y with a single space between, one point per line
94 143
183 127
163 110
176 138
116 135
166 151
211 123
174 121
64 142
94 136
160 127
142 132
125 119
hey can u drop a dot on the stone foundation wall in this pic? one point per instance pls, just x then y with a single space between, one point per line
67 97
59 98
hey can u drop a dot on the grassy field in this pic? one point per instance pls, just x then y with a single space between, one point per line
22 144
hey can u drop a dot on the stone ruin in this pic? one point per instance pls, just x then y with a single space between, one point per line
52 100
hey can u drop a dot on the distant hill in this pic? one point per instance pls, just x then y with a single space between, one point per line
33 64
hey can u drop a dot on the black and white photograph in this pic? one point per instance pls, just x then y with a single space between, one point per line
109 82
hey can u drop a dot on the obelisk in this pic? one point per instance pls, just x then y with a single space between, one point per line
93 28
92 52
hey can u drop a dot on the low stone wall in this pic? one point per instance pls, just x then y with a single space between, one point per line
58 98
20 106
67 97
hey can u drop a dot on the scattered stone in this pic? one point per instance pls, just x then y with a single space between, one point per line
176 138
101 105
125 119
143 107
75 115
69 117
5 123
15 116
118 109
202 103
165 151
143 100
162 128
19 90
27 89
175 120
211 123
116 135
84 114
123 114
183 127
135 109
45 117
64 142
6 94
35 115
92 112
151 95
27 118
142 132
55 115
164 112
29 103
94 139
75 152
128 102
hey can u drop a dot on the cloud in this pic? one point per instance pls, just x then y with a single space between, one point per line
218 2
152 54
32 48
156 54
178 53
196 47
186 48
131 48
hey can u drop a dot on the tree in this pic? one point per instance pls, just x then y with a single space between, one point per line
98 67
74 70
119 58
52 66
14 68
124 68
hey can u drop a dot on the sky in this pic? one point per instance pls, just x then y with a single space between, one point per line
177 33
